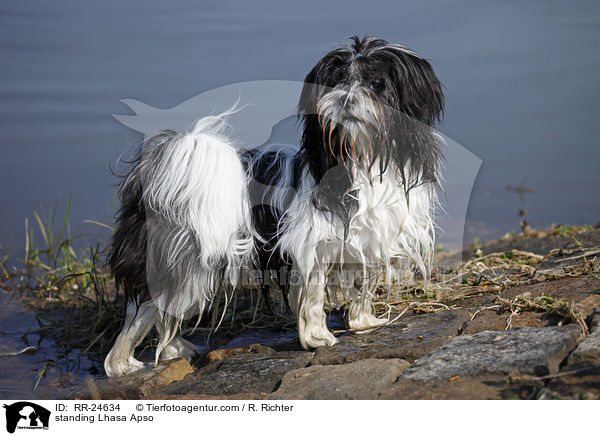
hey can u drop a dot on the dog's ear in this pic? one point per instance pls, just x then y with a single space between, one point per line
418 89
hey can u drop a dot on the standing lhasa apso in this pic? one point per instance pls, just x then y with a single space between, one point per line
353 205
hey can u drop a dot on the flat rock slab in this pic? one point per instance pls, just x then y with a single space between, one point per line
131 386
490 319
529 350
361 380
239 374
409 338
578 381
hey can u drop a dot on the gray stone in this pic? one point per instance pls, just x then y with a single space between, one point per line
589 348
529 350
244 373
224 353
409 338
361 380
132 386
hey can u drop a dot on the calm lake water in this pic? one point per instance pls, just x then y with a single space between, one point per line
522 82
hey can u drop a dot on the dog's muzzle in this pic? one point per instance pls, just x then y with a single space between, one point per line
351 119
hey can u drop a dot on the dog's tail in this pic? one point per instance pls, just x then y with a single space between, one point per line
199 234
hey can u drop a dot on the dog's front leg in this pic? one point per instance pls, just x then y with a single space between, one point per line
312 321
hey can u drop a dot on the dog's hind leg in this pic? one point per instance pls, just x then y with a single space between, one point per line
171 345
179 347
360 310
360 316
138 322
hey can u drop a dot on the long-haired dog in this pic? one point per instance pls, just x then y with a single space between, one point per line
352 206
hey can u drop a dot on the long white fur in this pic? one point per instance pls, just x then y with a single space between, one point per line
195 193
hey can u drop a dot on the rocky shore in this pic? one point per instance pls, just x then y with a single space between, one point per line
520 319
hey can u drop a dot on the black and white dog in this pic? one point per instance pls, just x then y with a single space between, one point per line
353 205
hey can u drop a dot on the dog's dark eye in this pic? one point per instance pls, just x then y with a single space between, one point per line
377 85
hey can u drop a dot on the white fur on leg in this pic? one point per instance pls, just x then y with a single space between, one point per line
179 347
138 322
360 315
312 321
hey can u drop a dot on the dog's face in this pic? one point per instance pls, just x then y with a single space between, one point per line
369 103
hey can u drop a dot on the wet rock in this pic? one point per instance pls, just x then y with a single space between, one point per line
578 381
409 338
589 348
360 380
280 340
240 374
131 386
528 350
224 353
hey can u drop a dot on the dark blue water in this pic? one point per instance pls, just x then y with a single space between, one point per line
521 78
522 82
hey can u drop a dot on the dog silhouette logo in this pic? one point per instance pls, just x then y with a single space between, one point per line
26 415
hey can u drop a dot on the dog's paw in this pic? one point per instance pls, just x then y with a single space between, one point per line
317 337
360 317
117 367
179 347
364 321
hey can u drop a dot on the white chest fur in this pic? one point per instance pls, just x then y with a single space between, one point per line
388 224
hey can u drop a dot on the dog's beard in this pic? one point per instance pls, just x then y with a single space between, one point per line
353 125
354 129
